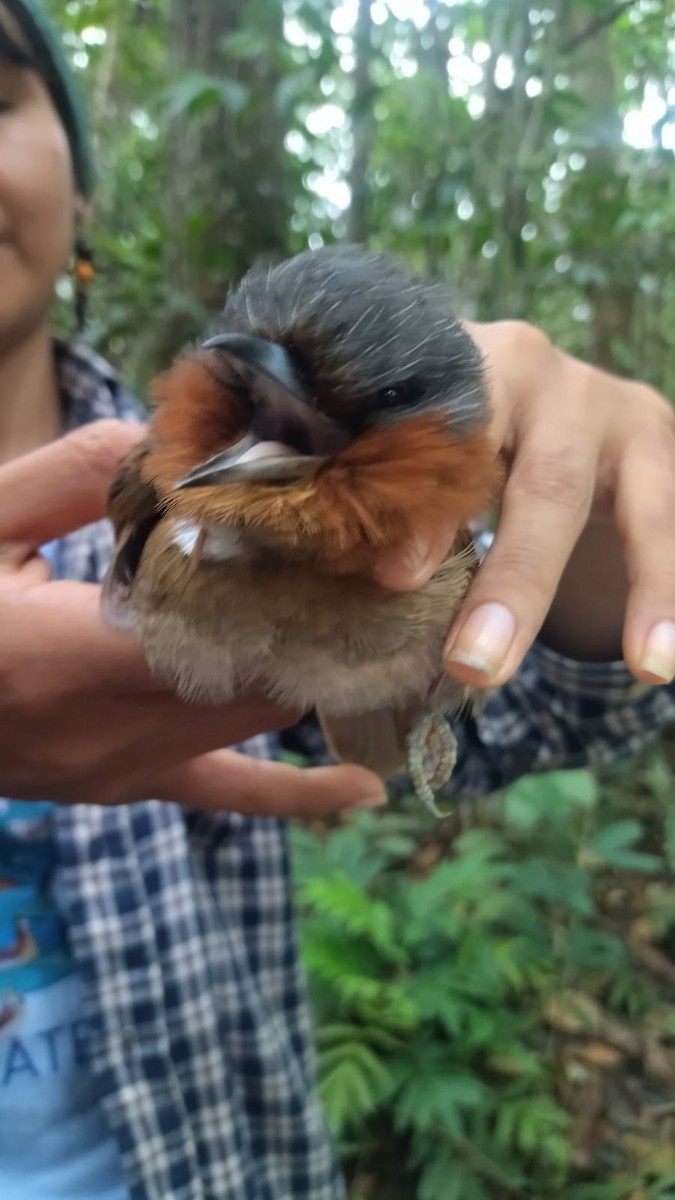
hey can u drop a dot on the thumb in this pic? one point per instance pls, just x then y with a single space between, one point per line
64 485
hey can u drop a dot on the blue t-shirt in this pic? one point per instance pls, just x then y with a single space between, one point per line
54 1141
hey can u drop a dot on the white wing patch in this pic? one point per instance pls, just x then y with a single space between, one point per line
185 536
221 542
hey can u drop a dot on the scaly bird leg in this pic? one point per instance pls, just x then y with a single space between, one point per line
432 754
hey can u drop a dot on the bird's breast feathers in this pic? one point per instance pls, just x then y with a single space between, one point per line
217 615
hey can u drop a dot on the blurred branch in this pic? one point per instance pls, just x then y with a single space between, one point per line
106 72
594 27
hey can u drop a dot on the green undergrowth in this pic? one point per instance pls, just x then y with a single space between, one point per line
494 994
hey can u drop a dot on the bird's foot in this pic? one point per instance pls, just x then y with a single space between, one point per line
432 754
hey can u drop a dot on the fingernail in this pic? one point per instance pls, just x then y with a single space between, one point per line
376 800
484 639
658 656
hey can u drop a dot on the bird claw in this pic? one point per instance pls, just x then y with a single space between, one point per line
432 754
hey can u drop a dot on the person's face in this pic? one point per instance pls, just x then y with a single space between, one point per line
37 195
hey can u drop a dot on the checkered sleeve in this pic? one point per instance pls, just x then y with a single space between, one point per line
557 714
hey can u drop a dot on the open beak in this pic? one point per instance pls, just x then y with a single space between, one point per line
288 438
250 461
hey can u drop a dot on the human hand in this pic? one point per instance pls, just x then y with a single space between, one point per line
585 543
82 720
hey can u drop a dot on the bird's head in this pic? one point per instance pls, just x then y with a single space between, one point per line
336 399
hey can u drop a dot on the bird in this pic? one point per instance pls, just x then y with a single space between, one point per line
335 404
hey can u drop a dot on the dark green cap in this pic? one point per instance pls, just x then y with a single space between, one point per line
48 59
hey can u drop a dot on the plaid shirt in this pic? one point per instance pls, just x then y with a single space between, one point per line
182 925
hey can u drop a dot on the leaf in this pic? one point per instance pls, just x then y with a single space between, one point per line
374 1036
338 897
537 797
335 958
433 991
517 1061
534 1123
427 1100
353 1081
346 966
473 878
353 850
448 1177
594 948
244 43
196 92
558 883
293 87
600 1191
611 847
479 1027
665 1187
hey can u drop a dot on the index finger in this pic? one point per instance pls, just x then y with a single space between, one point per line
64 485
228 781
545 506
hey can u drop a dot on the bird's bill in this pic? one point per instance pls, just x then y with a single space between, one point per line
251 461
288 438
264 358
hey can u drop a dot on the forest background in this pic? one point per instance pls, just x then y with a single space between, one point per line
494 996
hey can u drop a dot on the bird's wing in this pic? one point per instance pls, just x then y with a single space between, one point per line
385 739
134 508
376 740
380 740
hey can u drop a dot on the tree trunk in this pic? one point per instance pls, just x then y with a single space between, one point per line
612 294
362 122
227 197
506 119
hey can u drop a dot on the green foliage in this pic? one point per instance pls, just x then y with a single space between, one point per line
496 157
612 847
451 976
195 92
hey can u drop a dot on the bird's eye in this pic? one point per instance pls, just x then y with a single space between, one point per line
393 399
397 396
